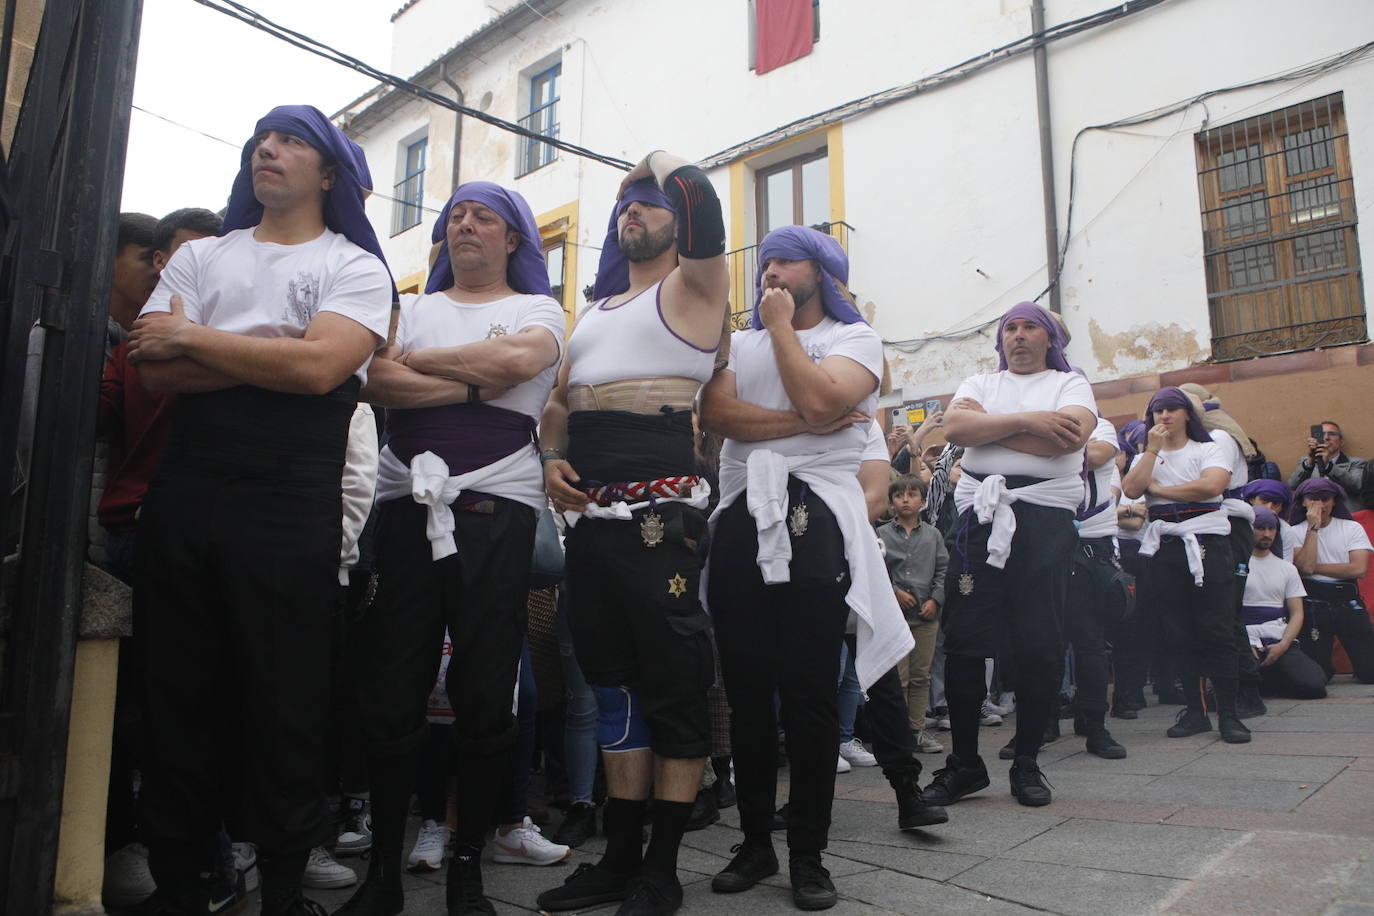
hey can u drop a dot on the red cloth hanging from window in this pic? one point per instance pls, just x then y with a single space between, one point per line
782 30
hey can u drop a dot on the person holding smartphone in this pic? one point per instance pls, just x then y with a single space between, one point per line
1326 457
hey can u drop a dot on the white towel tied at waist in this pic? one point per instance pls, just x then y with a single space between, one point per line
882 635
699 498
429 483
1186 531
991 500
1238 508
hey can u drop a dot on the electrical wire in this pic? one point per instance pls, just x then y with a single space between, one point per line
258 21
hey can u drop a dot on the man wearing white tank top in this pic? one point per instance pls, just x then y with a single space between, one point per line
617 448
792 551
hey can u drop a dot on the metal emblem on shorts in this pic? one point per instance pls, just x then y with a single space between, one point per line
798 520
1316 634
677 586
966 584
1202 551
651 529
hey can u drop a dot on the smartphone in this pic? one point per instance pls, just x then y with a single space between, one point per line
1316 432
898 416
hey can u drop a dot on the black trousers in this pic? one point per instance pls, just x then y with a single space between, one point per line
1335 611
1015 614
1086 627
1198 621
235 611
480 594
1242 546
782 639
1294 675
1135 639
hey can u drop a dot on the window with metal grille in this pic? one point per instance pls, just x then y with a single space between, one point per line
410 190
1278 227
542 119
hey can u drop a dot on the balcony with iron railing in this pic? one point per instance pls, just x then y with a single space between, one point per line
744 264
535 154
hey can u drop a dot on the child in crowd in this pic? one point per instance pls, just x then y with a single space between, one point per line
916 560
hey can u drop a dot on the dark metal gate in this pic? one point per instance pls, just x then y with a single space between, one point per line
59 199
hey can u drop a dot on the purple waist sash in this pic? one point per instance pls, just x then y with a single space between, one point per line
1177 512
1253 615
466 436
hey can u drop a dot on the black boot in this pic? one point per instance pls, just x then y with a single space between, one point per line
389 780
704 810
464 896
913 810
1248 702
1233 731
1100 741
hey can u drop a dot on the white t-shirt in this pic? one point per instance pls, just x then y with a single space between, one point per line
1240 471
1103 524
1335 541
1272 581
1137 503
436 320
1008 392
1185 465
875 448
757 382
1290 540
261 289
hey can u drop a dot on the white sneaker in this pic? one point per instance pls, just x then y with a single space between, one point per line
322 872
1006 702
128 882
428 854
854 751
842 765
926 744
988 716
525 845
246 861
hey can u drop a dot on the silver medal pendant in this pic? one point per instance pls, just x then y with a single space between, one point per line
651 529
798 520
966 584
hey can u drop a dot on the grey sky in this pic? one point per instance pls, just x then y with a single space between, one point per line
217 75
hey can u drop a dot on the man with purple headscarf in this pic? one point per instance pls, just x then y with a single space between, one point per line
793 560
265 333
1275 496
1183 474
459 491
1024 429
1272 613
1333 557
619 461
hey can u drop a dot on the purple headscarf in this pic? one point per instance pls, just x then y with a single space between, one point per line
1176 399
613 270
343 204
1132 437
1274 491
1265 518
1029 311
801 243
1317 488
526 271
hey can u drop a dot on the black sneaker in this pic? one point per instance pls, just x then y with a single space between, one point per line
652 894
373 898
753 861
812 888
704 811
1249 705
1101 743
588 885
725 794
579 825
954 781
1189 723
913 810
1124 712
1028 783
299 906
1233 731
465 896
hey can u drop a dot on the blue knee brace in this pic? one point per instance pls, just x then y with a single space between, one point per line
619 724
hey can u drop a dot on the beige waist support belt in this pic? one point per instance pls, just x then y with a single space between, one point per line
639 395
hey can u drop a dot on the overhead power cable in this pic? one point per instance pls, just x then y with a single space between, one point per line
251 17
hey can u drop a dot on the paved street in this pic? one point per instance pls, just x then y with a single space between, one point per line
1284 825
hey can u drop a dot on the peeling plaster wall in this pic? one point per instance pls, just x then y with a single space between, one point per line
943 189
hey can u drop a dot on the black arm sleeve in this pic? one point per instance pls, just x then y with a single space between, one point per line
700 226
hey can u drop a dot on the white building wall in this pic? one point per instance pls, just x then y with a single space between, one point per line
943 189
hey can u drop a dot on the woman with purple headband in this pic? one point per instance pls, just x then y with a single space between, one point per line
1183 475
1333 557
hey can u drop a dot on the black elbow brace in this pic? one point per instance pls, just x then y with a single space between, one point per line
700 226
